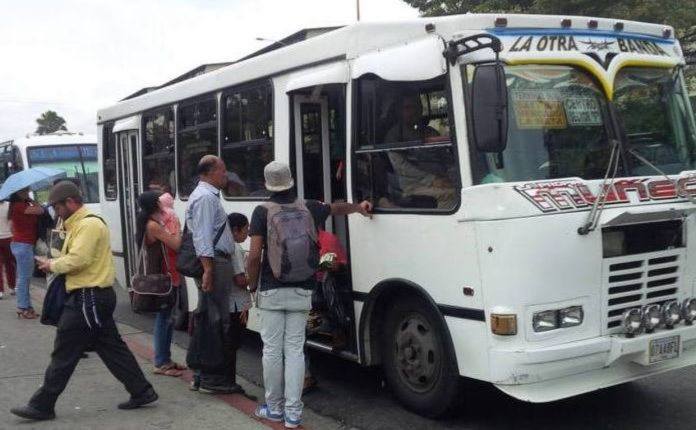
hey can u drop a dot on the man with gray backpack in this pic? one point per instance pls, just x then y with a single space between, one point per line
285 231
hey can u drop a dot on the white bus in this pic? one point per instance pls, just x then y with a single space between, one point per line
533 221
75 153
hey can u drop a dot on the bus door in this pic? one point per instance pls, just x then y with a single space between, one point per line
127 147
319 157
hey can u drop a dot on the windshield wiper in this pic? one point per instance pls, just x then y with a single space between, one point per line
679 187
607 184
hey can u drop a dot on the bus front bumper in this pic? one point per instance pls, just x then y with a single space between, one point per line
566 370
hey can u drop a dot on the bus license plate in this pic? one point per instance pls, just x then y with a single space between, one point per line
662 349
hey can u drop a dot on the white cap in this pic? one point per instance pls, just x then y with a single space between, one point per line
278 176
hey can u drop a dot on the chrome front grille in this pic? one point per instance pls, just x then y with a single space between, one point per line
634 281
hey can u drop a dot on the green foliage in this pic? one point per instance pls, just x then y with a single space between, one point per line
50 122
681 14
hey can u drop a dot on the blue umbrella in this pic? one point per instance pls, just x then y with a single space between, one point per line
34 178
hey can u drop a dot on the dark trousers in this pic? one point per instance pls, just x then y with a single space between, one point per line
87 321
233 342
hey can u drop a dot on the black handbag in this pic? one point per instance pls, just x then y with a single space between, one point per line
151 292
54 301
187 262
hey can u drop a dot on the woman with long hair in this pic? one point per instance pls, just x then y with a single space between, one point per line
24 214
158 243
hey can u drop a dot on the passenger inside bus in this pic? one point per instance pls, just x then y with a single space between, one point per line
418 173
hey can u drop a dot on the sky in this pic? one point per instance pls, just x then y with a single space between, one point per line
77 56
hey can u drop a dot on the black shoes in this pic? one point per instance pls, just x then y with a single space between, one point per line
31 413
147 397
221 389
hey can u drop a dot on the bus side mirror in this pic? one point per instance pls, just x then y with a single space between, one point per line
489 108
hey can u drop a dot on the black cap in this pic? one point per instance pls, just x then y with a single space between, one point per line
61 191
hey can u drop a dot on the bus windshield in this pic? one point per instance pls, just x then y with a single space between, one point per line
559 125
79 163
657 119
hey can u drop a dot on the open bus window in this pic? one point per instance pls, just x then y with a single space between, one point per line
556 127
656 117
158 152
79 163
109 167
197 136
247 144
405 158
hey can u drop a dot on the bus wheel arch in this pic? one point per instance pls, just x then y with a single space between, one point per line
402 328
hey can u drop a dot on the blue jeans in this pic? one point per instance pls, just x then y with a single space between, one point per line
24 256
164 328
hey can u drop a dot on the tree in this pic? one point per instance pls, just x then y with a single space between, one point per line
50 122
681 14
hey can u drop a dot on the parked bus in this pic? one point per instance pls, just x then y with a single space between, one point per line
532 176
75 153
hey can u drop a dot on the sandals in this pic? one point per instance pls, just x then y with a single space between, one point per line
170 369
27 314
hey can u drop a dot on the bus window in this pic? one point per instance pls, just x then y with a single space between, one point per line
6 162
158 151
78 161
247 144
404 156
109 154
197 136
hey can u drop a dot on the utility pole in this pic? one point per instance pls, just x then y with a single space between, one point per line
357 7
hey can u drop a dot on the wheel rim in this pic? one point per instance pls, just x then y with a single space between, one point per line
417 353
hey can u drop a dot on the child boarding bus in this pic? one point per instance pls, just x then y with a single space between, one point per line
533 180
75 153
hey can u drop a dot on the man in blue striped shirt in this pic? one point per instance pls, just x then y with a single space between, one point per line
214 244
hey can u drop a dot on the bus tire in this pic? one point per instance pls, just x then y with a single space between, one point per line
418 362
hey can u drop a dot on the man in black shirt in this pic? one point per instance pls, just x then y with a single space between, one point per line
284 305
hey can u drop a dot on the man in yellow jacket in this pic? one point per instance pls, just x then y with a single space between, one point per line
87 319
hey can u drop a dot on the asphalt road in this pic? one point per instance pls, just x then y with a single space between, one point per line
357 397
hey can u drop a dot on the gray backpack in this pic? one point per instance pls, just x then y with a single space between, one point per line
292 248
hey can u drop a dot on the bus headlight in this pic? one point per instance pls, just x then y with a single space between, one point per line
570 317
689 310
671 313
632 322
545 321
652 317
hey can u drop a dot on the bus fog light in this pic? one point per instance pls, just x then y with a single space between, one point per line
652 317
504 324
545 321
671 313
689 310
632 322
571 317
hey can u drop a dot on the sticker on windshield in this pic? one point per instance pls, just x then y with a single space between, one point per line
582 110
538 109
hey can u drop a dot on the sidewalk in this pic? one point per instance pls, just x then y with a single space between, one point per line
89 401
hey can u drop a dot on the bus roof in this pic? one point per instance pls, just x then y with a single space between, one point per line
58 138
351 41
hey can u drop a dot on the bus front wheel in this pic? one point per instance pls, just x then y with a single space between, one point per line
418 365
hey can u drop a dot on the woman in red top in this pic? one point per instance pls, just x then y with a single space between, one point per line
24 214
159 244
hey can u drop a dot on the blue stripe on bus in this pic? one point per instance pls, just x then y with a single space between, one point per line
571 32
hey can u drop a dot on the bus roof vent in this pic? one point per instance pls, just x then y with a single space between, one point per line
501 22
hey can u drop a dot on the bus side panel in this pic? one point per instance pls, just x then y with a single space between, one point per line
435 252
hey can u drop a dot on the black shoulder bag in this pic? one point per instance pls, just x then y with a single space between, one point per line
187 262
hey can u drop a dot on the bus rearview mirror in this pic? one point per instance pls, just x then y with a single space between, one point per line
489 108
